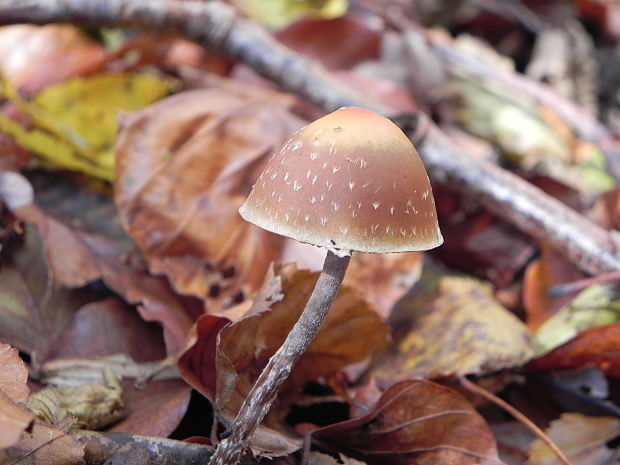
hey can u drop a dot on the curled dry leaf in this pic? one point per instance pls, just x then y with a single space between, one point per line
92 406
14 419
184 167
460 329
595 346
13 374
583 439
45 444
415 421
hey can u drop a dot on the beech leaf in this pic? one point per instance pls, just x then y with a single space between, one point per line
415 421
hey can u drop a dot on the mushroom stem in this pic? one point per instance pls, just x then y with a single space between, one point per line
262 395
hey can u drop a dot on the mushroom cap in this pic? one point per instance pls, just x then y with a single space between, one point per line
350 180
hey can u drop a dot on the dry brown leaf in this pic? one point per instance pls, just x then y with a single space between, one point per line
461 330
351 332
583 439
14 420
185 165
384 278
45 445
76 258
36 56
34 313
315 38
595 346
548 270
13 374
415 422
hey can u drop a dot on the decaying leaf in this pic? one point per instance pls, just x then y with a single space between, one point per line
94 406
75 121
458 330
595 346
45 444
415 421
185 166
13 374
317 458
583 439
597 305
14 419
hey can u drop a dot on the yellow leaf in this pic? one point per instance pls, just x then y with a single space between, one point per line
280 13
76 120
592 307
457 330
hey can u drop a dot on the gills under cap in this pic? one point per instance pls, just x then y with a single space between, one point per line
348 181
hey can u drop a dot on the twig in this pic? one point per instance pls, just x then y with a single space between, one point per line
216 25
128 448
517 415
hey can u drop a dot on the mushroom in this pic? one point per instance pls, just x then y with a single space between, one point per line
348 181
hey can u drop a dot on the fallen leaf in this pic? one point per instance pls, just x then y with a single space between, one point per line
13 374
90 406
594 306
584 440
315 38
75 121
45 444
384 278
594 346
33 313
543 273
350 333
34 57
155 409
279 13
77 258
185 165
415 421
458 330
14 421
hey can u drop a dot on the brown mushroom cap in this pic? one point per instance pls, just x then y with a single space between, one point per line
348 181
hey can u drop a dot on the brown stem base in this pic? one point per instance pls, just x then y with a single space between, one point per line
262 395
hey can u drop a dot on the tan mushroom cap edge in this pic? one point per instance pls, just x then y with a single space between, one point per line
350 180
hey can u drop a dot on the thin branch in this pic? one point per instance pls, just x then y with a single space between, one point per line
472 387
216 25
129 448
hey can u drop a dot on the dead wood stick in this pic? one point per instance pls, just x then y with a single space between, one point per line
216 25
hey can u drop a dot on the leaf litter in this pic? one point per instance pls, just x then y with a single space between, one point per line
194 282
